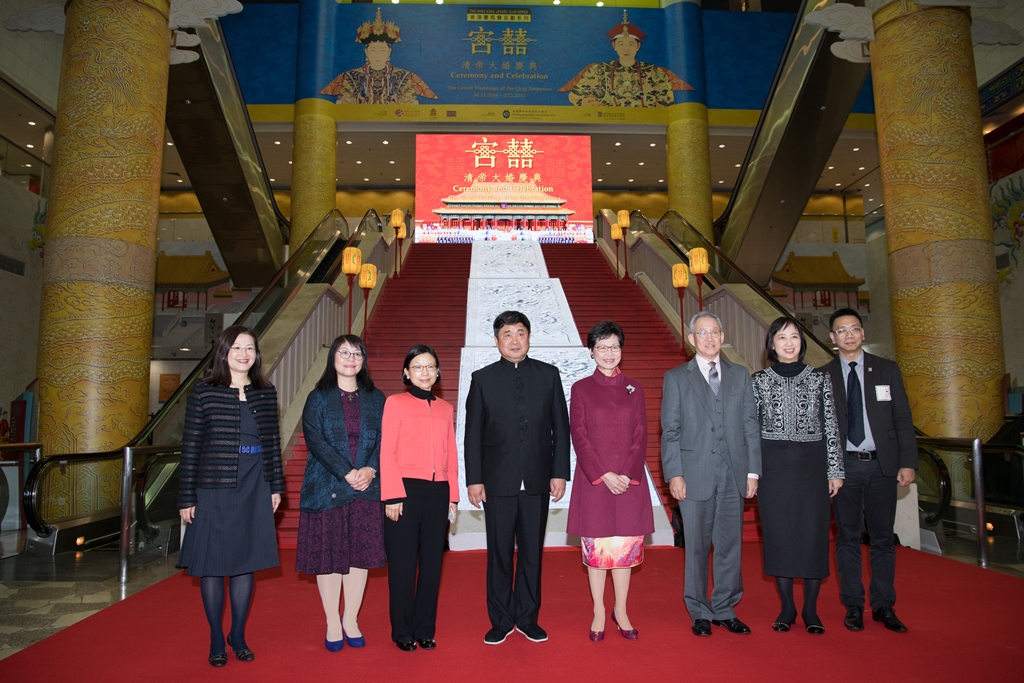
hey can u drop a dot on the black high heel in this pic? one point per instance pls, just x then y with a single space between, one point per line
218 660
241 654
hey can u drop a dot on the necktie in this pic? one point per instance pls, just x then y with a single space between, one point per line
713 379
854 407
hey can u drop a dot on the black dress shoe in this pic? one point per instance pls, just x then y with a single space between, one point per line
219 660
854 619
242 654
782 626
701 627
889 619
733 625
426 643
406 647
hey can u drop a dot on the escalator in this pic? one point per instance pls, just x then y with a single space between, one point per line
210 125
59 526
808 105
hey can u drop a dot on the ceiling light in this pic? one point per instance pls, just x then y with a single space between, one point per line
289 163
31 146
856 149
738 165
600 4
556 2
607 163
439 2
273 180
867 184
366 180
831 167
641 163
839 184
721 182
871 200
26 165
31 123
654 144
661 181
391 162
860 168
385 141
277 142
618 144
630 180
600 180
170 144
348 142
394 2
721 147
180 180
184 349
359 162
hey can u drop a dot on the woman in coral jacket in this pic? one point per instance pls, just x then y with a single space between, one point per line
419 475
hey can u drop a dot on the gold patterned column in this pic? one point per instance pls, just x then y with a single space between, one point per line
314 167
99 266
938 221
689 166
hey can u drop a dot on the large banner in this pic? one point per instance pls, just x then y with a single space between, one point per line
503 187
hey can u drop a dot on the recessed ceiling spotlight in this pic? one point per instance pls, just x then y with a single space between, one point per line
641 163
721 147
654 144
871 200
630 180
831 167
391 162
600 180
839 184
600 4
185 349
348 142
556 2
170 144
860 168
31 146
385 141
289 163
359 162
394 2
618 144
721 182
180 180
661 181
607 163
737 165
856 149
277 142
26 165
31 123
366 180
867 184
400 178
273 180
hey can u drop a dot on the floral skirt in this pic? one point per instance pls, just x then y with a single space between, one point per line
333 541
613 552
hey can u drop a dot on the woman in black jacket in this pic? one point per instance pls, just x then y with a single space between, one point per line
231 483
341 519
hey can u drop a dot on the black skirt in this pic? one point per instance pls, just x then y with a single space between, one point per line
793 500
233 531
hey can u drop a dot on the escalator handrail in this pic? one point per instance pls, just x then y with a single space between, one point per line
945 484
679 249
29 495
371 217
780 309
780 72
141 512
284 224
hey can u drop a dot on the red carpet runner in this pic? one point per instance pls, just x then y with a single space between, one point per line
965 625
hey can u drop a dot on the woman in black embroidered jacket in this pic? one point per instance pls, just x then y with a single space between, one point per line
231 481
341 518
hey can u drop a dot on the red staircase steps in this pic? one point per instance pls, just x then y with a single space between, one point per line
425 305
594 294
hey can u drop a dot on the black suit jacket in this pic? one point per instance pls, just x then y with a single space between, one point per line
892 425
499 454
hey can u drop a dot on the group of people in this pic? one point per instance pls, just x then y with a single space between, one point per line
381 480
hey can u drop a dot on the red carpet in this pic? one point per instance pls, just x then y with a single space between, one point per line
965 624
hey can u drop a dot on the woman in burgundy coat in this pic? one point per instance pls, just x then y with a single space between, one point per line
610 508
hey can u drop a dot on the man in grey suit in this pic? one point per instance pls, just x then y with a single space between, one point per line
711 457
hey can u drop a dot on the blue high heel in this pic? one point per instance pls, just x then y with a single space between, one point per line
353 642
334 645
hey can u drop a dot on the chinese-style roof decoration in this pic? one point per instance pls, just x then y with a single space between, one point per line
497 198
626 29
188 273
378 29
811 273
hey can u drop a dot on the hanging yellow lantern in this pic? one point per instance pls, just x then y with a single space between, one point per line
616 232
680 276
351 260
623 217
698 261
368 276
400 231
397 216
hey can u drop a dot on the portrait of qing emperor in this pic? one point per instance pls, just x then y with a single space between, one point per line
624 82
377 81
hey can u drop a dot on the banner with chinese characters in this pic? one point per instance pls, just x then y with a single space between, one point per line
464 63
503 187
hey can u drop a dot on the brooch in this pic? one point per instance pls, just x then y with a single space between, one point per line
630 388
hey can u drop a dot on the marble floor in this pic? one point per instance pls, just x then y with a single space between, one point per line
41 594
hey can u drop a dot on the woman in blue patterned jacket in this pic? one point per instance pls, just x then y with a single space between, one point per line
231 483
341 522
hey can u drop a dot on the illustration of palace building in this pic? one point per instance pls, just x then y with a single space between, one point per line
504 207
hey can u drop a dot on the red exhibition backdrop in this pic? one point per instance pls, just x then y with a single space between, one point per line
517 186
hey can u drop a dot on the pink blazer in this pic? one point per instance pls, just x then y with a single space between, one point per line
418 442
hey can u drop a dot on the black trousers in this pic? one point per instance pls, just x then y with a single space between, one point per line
514 521
416 541
867 496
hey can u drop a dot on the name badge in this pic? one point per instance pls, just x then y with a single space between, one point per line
882 393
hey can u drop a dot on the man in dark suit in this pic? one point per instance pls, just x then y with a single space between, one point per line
517 455
877 429
711 457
